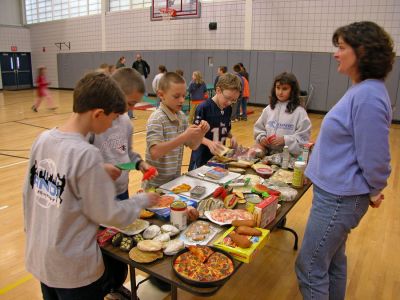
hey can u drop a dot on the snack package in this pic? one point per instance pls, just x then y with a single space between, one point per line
105 236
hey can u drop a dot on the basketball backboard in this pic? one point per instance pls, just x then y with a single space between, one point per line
178 9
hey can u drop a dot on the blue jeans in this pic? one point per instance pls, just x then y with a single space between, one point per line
321 265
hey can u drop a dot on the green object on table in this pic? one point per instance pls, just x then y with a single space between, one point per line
127 166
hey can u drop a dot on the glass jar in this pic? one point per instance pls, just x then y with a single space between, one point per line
178 216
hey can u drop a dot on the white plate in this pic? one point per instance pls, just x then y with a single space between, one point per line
189 242
210 187
208 215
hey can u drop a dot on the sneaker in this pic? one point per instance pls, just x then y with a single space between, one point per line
235 120
122 293
34 108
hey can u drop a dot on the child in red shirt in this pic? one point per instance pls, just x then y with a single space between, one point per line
42 90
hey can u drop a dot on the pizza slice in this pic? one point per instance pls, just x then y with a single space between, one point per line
187 265
201 252
221 263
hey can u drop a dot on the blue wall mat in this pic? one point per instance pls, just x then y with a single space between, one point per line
319 75
265 76
283 62
252 69
392 82
301 66
318 69
337 85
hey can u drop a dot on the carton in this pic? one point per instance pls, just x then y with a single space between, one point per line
265 211
244 255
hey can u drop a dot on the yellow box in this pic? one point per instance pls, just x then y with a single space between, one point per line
241 254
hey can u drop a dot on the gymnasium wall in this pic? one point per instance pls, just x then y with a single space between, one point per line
285 28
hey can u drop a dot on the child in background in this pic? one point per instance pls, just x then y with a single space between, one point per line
42 90
168 131
111 69
245 99
67 194
197 87
161 71
283 122
179 72
216 112
236 106
115 144
197 93
221 70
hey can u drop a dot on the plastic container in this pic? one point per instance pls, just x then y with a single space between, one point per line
298 174
285 158
178 216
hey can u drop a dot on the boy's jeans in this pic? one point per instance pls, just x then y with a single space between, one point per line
321 265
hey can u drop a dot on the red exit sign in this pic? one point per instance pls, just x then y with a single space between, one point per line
14 48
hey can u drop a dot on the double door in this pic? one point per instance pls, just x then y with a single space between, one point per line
16 70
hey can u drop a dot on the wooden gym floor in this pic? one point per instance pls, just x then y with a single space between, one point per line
373 260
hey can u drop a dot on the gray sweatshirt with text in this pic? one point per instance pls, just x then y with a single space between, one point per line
67 194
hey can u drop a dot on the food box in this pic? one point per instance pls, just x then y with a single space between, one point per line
217 173
265 211
244 255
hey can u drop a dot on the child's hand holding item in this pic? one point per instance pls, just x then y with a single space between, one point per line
112 170
192 213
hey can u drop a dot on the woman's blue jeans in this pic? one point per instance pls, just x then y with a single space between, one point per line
321 265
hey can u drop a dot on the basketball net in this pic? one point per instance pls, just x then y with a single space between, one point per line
167 14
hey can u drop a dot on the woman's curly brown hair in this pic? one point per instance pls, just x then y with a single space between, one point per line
372 45
294 100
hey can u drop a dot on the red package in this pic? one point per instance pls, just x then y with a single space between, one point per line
104 237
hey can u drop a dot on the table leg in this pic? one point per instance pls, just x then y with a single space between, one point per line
296 238
174 292
133 283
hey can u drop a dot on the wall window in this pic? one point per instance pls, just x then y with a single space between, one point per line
48 10
117 5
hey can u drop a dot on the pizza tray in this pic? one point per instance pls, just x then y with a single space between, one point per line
210 187
200 174
203 283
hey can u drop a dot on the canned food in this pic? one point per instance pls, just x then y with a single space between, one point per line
178 216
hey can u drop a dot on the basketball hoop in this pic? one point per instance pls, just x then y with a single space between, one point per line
167 13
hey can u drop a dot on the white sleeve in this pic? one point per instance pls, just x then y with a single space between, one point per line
260 126
301 135
97 193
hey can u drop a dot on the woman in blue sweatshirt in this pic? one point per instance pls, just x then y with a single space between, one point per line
350 163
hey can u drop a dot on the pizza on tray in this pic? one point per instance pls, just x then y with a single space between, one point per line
216 267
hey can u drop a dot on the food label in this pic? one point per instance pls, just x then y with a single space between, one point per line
178 218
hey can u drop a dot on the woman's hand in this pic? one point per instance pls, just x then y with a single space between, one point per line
376 201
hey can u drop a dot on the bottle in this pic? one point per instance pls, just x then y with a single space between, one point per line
178 216
305 153
298 174
285 158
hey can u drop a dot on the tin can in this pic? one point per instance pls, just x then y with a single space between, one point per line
178 216
298 174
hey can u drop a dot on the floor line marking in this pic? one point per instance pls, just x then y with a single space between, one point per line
13 164
13 285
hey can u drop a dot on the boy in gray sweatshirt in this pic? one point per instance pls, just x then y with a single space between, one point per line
115 143
68 193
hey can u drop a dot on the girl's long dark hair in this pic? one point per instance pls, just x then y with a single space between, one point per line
294 100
